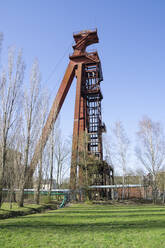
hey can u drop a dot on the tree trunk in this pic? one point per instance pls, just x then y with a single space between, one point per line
1 193
163 199
123 189
58 168
2 172
11 197
51 168
21 200
37 196
25 176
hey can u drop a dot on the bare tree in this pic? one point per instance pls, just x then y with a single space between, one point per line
61 154
56 158
10 92
121 147
1 40
45 167
51 158
109 150
30 130
43 112
151 149
49 165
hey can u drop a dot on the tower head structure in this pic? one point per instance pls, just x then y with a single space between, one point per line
84 39
87 165
87 153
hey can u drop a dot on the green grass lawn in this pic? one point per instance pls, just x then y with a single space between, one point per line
6 212
86 226
6 207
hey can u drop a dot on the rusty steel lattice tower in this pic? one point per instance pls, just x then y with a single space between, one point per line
88 127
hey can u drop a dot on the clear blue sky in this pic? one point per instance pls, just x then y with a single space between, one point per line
131 48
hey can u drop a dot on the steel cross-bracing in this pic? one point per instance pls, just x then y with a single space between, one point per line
87 155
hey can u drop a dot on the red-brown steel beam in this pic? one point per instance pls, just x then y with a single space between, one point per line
82 144
57 104
77 60
75 141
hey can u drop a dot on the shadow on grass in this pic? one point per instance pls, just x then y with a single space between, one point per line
37 226
99 216
108 211
4 210
26 211
85 220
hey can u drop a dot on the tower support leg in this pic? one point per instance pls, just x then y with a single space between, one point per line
75 141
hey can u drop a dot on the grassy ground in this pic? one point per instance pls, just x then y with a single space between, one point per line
87 226
6 207
6 212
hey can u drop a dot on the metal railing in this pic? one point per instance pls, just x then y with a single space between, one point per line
85 31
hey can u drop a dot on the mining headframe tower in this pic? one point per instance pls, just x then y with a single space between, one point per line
87 164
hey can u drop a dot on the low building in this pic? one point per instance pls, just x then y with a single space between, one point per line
47 183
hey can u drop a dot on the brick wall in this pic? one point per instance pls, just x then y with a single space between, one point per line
134 192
